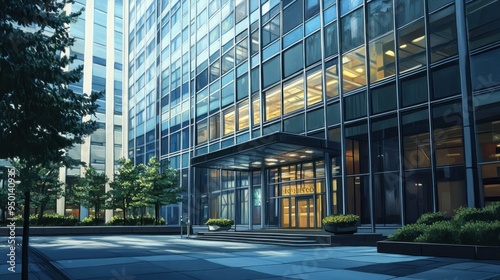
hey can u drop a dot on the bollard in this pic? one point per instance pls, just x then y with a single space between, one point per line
181 227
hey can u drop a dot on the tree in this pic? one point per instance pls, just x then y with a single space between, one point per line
46 186
90 190
160 188
125 186
40 116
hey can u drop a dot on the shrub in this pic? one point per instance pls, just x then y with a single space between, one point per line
464 215
439 232
480 233
341 220
89 221
133 221
220 222
430 218
59 220
408 233
494 208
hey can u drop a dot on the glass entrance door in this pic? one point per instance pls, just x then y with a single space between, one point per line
305 212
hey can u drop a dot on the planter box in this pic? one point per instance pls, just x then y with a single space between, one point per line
218 228
341 229
439 250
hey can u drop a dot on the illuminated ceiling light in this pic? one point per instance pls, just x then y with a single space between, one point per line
282 160
271 163
309 152
256 162
271 159
360 70
345 60
349 74
389 53
292 155
416 40
453 155
403 46
302 156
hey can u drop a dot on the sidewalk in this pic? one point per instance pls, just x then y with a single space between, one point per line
134 257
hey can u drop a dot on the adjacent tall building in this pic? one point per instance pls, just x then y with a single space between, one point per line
278 113
98 47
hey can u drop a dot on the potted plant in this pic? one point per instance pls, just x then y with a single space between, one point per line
219 224
341 224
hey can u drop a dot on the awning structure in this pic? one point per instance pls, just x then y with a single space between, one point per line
270 150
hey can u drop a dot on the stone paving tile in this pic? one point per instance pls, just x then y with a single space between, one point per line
128 269
82 263
341 275
453 274
242 261
183 266
336 263
227 273
286 269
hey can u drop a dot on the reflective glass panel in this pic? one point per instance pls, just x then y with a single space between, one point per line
273 103
443 34
354 69
332 79
229 121
483 22
243 120
411 48
382 58
293 95
352 30
314 86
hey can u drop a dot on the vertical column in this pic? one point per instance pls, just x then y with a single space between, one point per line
471 174
250 202
61 202
328 185
263 189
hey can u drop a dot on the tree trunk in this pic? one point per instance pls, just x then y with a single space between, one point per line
124 213
157 213
26 234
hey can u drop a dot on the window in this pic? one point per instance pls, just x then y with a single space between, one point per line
416 142
331 44
273 103
229 121
484 73
293 95
443 34
384 99
380 18
332 79
202 132
385 145
355 106
271 71
271 31
293 60
414 90
214 127
352 30
315 119
242 51
313 50
314 86
349 5
382 58
255 109
311 8
354 69
333 114
242 87
446 81
411 47
357 157
243 120
292 16
294 124
436 4
447 134
408 11
483 22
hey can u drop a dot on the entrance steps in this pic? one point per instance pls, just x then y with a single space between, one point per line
268 237
292 238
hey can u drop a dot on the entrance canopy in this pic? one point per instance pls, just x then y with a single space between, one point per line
268 151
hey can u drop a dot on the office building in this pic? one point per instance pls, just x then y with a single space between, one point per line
278 113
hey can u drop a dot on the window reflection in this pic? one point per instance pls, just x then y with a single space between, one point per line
214 127
352 30
483 22
293 95
416 143
354 67
202 132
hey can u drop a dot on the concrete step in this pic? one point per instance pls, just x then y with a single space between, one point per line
287 239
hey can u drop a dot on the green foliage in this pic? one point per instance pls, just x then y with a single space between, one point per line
38 109
125 186
135 220
91 221
408 233
220 222
494 208
430 218
50 220
439 232
341 220
480 233
90 190
464 215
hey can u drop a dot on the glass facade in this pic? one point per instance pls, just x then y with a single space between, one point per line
99 47
403 88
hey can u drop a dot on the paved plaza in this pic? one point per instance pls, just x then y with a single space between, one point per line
134 257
